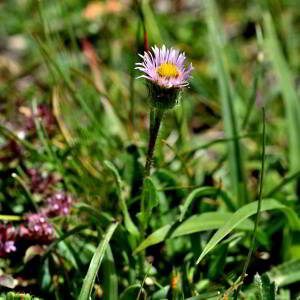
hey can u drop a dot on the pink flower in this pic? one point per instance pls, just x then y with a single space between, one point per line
37 229
7 239
165 67
59 204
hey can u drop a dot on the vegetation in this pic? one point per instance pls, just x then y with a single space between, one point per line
105 193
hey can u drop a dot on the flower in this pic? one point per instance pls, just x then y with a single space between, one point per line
39 183
166 73
38 229
7 239
59 204
165 67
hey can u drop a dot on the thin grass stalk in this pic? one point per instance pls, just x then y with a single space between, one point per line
258 205
89 280
27 191
284 181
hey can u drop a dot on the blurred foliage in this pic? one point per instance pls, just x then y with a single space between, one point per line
74 119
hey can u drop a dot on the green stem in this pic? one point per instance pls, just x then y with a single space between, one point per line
284 181
156 116
258 206
27 191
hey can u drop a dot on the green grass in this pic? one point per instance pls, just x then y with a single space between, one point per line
189 229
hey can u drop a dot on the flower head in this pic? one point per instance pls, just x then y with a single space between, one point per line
37 229
165 67
167 74
59 204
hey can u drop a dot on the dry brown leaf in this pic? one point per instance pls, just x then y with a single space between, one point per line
97 8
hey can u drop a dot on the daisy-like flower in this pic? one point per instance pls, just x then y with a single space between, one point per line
165 67
166 72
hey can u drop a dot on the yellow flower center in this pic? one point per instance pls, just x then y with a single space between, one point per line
167 70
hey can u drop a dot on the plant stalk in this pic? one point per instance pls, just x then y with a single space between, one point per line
156 116
252 246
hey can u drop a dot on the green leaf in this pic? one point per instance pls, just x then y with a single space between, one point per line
217 39
286 273
287 87
151 24
150 199
207 221
62 238
203 191
95 264
130 226
244 213
131 292
266 288
45 275
196 223
32 251
154 238
161 294
110 285
217 264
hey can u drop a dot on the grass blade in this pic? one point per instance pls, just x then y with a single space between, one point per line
196 223
130 226
290 98
131 292
245 212
230 127
251 249
266 288
110 284
286 273
204 191
95 264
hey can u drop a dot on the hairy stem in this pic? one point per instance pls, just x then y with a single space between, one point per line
156 116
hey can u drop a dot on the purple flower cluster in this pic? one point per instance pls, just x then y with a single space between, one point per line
59 204
39 183
37 229
8 236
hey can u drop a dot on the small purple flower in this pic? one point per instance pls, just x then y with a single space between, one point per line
165 67
7 239
9 246
59 204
